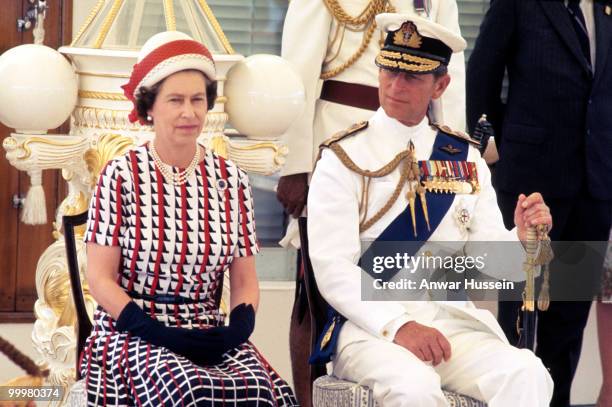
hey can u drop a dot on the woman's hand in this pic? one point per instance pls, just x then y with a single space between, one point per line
201 346
242 322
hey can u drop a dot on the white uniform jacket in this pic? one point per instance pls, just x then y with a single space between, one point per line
335 240
308 42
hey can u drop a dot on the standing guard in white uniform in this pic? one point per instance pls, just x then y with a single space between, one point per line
370 184
332 44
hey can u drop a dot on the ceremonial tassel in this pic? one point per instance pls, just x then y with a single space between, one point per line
35 209
411 201
411 195
544 297
528 315
545 256
421 191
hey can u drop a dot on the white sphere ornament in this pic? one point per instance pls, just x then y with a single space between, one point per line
38 88
265 95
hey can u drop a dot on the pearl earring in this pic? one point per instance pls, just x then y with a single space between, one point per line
149 118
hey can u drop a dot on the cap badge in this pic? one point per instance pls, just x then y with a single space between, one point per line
408 36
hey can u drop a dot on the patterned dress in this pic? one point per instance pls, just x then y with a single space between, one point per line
175 241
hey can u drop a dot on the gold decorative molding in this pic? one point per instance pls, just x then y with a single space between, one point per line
169 15
108 22
53 335
53 283
215 122
90 94
111 119
216 26
107 147
9 143
218 144
102 118
72 205
94 12
27 151
263 157
77 205
278 151
67 174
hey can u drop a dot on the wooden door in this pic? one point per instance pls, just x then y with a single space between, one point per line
21 245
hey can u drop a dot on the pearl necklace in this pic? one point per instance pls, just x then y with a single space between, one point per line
178 178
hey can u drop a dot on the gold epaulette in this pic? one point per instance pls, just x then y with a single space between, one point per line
455 133
366 174
352 130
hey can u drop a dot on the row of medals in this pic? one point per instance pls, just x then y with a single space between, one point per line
419 184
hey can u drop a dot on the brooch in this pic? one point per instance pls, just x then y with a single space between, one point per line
221 185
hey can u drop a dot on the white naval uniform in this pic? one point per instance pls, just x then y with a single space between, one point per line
308 30
483 365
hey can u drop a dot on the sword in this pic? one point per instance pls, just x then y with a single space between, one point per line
482 132
539 254
528 315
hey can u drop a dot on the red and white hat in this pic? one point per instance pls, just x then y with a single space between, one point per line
162 55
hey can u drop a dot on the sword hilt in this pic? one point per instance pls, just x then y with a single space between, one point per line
482 132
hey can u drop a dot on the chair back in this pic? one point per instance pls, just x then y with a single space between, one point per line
84 326
317 306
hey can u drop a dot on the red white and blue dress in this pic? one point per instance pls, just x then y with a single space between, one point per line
175 241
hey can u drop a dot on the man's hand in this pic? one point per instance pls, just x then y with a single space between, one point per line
292 191
428 344
531 211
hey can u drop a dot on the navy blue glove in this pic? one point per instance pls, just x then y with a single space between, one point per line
201 346
242 322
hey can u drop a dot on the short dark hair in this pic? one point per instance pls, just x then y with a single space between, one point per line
146 95
438 73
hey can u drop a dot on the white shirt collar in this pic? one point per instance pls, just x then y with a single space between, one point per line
391 136
397 130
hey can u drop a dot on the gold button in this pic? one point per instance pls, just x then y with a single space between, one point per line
428 253
385 333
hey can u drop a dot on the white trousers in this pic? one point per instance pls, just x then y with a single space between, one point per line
481 366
